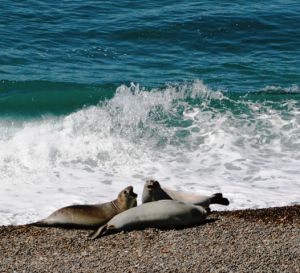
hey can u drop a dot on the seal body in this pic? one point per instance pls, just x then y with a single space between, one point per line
153 192
201 200
90 216
160 214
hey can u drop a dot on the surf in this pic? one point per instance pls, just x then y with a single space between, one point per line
188 136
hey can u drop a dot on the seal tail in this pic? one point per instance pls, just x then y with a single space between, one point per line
218 198
99 232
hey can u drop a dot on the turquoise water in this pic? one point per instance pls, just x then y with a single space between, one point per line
201 95
87 49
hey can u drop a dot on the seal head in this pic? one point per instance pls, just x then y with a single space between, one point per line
153 192
126 199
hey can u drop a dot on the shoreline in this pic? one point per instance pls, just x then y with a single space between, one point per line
249 240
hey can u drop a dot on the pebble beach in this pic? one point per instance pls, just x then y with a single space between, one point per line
259 240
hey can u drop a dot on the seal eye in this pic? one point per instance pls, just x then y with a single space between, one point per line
125 192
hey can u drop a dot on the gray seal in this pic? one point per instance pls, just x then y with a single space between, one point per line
153 192
90 216
161 214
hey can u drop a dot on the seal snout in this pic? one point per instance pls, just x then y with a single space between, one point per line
131 192
152 184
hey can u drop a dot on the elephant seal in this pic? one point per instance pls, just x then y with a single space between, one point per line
160 214
90 216
153 192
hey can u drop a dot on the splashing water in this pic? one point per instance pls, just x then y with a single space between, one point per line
186 136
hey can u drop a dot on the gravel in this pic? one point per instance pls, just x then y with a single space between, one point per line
264 240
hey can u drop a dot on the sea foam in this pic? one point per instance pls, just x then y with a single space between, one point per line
186 136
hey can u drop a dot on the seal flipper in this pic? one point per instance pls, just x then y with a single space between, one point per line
40 224
218 198
99 232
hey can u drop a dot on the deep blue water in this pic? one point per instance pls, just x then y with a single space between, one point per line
88 48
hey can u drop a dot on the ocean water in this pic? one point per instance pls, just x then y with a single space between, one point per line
200 95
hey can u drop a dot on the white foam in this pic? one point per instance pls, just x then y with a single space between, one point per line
90 155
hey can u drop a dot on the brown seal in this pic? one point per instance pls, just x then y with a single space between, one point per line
90 216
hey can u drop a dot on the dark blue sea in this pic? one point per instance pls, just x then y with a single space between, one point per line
96 95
